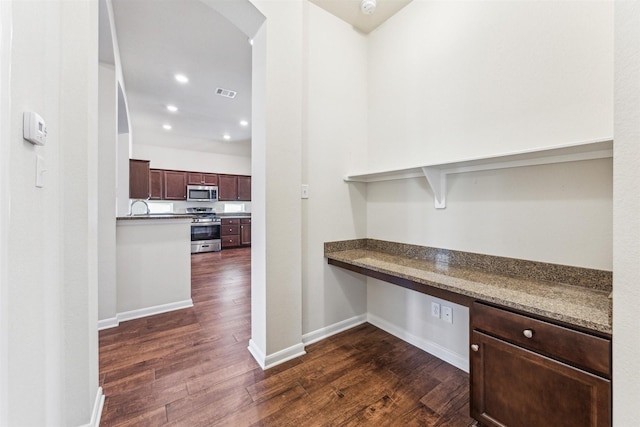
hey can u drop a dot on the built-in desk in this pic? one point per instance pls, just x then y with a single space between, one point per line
540 334
578 297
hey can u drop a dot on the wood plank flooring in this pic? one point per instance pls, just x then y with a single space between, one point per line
192 368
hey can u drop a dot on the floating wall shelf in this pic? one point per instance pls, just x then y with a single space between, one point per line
436 174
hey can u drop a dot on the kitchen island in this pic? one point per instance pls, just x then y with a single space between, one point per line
153 264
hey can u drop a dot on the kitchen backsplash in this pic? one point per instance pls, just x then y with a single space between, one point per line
162 206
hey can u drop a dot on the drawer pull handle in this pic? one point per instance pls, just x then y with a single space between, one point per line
527 333
475 347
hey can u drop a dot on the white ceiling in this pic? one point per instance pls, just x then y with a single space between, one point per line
349 11
160 38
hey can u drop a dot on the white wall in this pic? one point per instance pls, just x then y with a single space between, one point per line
626 232
51 294
335 130
107 192
276 317
237 162
475 79
5 198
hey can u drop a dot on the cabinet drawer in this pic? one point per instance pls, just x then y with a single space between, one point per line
229 230
230 241
580 349
245 221
230 221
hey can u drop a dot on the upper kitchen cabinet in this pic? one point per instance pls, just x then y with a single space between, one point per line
244 188
138 179
175 185
197 178
227 187
234 188
156 184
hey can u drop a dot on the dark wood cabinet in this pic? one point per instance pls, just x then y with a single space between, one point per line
198 178
244 188
245 232
227 187
175 185
138 179
230 232
234 188
528 372
159 184
156 184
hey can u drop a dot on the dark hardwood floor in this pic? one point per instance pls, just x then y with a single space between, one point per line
192 368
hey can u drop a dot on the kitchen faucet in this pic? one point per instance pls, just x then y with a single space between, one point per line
145 204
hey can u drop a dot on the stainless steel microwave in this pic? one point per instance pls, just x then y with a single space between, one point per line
202 193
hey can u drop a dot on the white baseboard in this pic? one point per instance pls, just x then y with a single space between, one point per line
276 358
430 347
108 323
284 355
326 332
257 353
143 312
96 414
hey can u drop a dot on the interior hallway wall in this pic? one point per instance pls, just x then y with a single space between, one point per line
334 142
626 231
52 340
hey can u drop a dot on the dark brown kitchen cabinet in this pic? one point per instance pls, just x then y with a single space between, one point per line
198 178
244 188
234 188
245 231
138 179
227 187
156 184
175 185
529 372
230 232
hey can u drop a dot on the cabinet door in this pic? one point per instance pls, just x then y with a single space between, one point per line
227 187
175 185
195 178
209 179
199 178
511 386
156 184
138 179
244 188
245 233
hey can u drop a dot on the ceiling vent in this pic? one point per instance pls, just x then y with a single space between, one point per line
226 93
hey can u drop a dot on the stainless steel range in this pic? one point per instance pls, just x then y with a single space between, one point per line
205 231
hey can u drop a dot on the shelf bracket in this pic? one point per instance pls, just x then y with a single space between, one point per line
437 179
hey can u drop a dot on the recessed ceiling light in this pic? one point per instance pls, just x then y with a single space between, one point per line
244 123
182 78
166 127
227 137
172 108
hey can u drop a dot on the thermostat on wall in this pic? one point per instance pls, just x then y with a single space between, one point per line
34 129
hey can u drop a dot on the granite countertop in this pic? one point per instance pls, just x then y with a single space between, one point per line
234 215
572 295
156 216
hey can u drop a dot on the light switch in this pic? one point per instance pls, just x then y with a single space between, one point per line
305 191
40 170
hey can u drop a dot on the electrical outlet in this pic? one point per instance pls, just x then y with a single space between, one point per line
435 309
447 314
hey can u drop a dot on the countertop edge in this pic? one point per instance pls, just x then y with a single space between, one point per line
584 323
